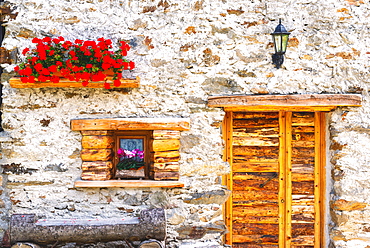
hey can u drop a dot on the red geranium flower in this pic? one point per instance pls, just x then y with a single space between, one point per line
25 51
53 68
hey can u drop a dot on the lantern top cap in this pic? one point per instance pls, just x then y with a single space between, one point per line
280 29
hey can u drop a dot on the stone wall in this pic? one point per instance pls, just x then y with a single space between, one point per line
185 51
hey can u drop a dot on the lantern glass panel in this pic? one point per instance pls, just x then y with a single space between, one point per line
284 42
277 43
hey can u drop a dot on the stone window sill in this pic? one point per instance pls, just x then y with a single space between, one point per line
16 82
128 184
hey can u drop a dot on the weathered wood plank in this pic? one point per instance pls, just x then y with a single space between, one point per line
227 180
255 115
96 154
256 167
303 119
166 134
256 219
92 133
302 229
253 152
255 159
303 218
303 152
271 132
280 108
166 175
262 176
303 188
262 194
16 82
303 129
256 123
96 176
255 184
255 141
241 210
164 157
28 228
163 145
300 177
249 245
303 200
96 166
320 179
302 143
180 124
255 229
250 240
286 100
169 166
255 203
304 241
97 141
303 214
282 178
303 168
297 114
288 178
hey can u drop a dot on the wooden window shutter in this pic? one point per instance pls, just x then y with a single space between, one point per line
275 145
277 179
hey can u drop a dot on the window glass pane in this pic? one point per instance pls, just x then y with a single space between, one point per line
131 144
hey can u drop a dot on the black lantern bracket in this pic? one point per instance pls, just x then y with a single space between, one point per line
280 38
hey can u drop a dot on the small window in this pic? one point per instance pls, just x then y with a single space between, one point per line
132 151
157 138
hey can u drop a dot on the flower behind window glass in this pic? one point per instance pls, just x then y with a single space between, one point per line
130 160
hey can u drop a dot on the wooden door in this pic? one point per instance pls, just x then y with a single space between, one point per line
277 179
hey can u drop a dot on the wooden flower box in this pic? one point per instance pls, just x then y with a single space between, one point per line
16 82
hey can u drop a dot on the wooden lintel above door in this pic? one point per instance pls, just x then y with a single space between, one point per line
305 102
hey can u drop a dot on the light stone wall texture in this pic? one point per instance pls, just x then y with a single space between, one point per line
186 51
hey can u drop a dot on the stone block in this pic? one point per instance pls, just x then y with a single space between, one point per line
209 197
344 205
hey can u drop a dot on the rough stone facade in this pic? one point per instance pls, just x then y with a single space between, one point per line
185 51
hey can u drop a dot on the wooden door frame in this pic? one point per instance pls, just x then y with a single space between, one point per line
285 183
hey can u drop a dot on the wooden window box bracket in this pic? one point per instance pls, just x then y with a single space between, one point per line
16 82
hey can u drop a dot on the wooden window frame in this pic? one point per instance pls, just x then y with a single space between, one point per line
165 131
145 135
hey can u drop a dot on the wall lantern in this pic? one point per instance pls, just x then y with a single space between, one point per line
280 37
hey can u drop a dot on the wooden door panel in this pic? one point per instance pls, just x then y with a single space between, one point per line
255 151
274 156
303 179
